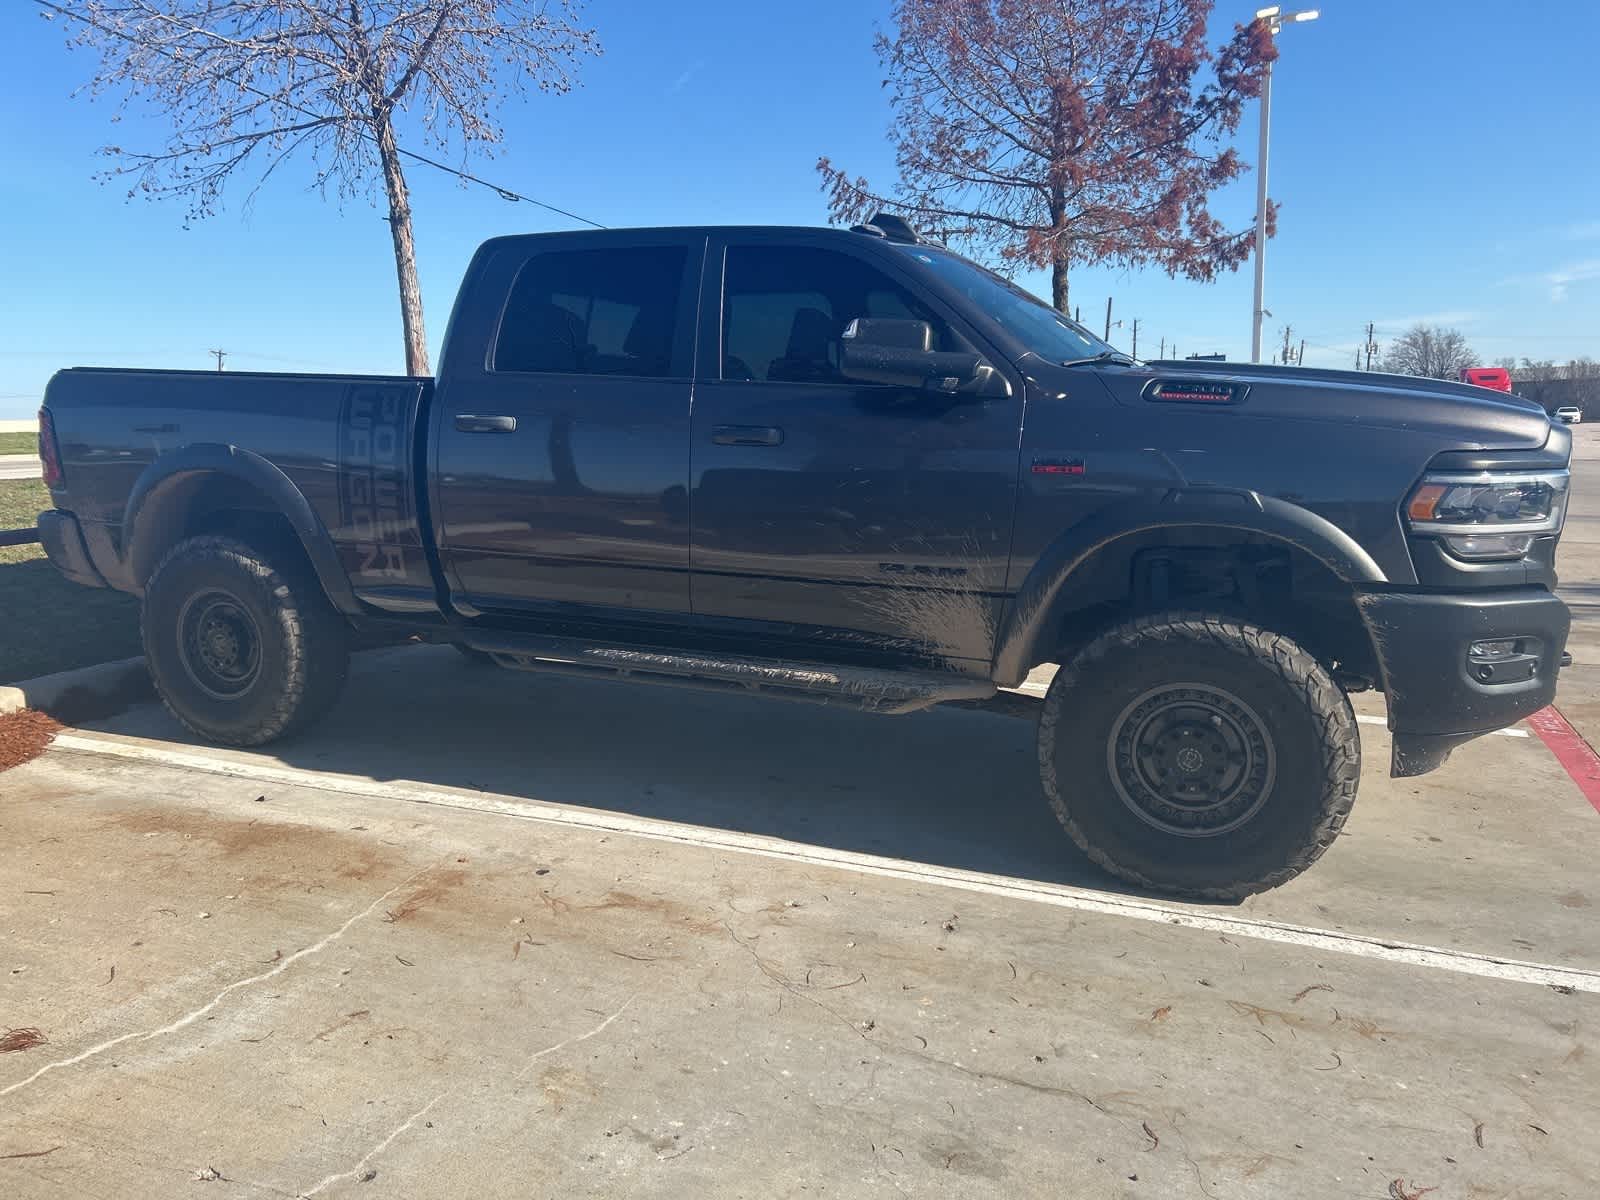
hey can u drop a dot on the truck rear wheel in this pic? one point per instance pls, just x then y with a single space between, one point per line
241 643
1199 755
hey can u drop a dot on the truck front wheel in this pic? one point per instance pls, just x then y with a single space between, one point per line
1199 755
241 643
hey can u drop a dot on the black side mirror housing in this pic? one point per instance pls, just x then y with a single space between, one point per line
899 353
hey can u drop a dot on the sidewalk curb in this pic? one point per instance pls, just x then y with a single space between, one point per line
82 695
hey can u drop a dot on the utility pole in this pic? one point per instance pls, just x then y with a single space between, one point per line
221 354
1358 360
1300 359
1108 319
1136 337
1275 18
1077 314
1372 345
1287 330
1162 353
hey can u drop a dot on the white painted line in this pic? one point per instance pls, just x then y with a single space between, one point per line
1038 689
1513 731
243 766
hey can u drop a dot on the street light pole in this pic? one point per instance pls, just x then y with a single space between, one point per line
1275 19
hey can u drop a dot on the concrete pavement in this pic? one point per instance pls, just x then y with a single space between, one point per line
499 935
19 466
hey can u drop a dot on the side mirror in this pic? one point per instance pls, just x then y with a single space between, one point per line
899 353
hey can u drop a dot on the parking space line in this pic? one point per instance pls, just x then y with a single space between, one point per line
1571 750
1181 916
1037 689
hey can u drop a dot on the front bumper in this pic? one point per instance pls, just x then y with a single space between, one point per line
62 539
1436 699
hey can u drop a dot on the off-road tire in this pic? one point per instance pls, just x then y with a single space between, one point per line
1315 754
302 650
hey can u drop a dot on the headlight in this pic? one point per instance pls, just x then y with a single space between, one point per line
1491 514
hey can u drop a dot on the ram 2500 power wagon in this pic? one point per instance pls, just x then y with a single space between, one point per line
851 466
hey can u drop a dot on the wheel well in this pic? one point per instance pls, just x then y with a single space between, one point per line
207 502
1259 576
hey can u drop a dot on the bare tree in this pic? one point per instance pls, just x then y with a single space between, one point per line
246 84
1062 133
1431 352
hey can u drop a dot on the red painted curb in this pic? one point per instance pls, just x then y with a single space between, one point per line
1571 751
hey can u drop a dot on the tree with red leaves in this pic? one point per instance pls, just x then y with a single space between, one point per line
1063 133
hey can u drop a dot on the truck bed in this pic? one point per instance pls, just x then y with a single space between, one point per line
338 452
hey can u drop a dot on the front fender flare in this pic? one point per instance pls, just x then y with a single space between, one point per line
1033 611
143 512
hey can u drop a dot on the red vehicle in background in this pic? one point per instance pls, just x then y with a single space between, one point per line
1497 378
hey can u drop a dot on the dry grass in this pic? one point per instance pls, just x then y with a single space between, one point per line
19 443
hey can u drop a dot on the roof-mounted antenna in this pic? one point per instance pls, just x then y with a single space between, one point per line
887 225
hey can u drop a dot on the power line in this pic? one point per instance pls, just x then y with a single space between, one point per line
505 193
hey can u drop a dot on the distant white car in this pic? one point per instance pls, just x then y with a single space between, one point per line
1570 415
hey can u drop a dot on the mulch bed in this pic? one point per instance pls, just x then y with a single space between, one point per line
24 736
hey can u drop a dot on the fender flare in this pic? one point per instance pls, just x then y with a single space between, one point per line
204 458
1034 609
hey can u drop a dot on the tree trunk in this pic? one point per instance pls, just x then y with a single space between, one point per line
405 251
1060 250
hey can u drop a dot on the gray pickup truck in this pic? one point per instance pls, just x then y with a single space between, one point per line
851 467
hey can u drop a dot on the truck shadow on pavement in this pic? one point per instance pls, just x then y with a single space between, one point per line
949 787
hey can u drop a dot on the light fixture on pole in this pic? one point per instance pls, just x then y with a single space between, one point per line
1276 19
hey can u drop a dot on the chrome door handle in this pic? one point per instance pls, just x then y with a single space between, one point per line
747 435
468 423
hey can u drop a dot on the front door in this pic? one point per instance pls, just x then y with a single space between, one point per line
842 512
562 465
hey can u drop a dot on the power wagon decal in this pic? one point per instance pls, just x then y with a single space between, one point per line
374 502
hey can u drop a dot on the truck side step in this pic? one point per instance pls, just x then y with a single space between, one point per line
879 691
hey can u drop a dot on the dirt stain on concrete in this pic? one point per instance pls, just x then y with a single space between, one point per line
668 909
436 885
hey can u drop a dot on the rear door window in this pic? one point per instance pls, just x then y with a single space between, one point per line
606 311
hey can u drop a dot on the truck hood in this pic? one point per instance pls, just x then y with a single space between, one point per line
1471 416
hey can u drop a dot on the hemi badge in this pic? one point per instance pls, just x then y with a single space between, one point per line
1194 391
1058 466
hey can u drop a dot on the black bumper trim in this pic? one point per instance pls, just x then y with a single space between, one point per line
62 539
1421 639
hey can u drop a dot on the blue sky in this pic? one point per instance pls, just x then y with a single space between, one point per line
1435 162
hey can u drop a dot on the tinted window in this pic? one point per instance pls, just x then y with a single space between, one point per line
1046 332
785 307
593 312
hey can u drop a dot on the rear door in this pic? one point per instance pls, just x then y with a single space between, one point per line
561 455
835 511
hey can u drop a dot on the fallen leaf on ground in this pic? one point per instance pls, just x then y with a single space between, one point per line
24 1038
1399 1191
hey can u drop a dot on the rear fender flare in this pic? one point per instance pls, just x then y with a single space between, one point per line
153 491
1044 594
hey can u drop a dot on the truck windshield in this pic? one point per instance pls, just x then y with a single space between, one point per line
1046 332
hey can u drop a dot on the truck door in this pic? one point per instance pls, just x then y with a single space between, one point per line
853 512
561 455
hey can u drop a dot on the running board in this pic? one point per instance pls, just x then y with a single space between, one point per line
879 691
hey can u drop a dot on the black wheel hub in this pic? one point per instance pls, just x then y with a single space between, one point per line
219 643
1191 759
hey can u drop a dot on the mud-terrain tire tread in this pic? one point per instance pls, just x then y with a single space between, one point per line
1339 738
315 639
